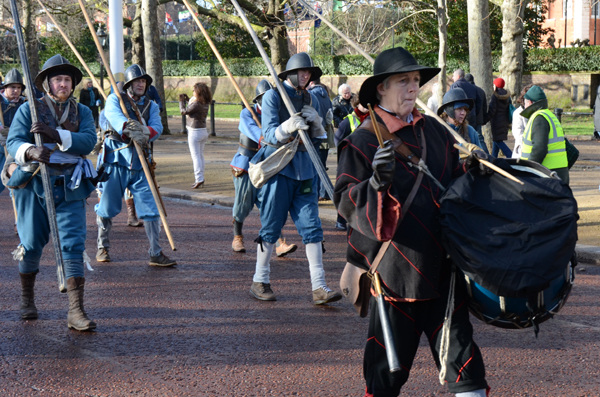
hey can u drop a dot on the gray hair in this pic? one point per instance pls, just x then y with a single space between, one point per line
460 73
344 87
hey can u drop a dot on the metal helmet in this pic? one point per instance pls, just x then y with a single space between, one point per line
57 64
13 77
262 87
453 97
135 72
300 61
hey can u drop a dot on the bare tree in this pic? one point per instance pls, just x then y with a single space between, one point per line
30 36
511 63
152 52
480 53
137 37
267 21
443 37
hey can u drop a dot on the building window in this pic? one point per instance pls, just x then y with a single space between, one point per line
595 8
567 8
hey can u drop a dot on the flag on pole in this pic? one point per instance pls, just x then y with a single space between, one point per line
317 19
168 19
184 16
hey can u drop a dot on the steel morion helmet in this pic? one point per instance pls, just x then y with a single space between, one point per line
54 66
262 87
297 62
13 77
454 99
135 72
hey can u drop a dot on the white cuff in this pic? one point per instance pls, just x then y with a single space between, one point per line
20 155
65 137
281 135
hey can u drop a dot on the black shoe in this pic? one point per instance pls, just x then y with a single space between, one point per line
262 292
161 260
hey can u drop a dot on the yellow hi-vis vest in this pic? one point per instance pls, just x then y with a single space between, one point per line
354 121
557 154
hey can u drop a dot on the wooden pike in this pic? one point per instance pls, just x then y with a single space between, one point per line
140 152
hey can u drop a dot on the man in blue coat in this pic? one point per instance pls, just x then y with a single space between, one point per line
123 166
246 195
293 189
68 132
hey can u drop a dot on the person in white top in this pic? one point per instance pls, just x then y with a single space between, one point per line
518 124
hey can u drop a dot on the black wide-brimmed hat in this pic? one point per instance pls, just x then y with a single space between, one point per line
57 65
454 96
389 62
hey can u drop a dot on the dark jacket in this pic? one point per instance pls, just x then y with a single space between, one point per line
325 106
84 97
196 113
482 107
498 114
540 129
416 264
471 92
341 108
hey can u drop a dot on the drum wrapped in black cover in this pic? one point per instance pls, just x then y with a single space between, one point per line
511 239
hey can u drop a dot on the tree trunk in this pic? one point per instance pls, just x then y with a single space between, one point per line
277 37
511 63
30 38
480 53
137 37
443 38
152 51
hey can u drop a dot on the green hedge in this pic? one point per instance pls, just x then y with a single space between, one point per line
579 59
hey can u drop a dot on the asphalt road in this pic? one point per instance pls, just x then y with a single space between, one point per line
193 330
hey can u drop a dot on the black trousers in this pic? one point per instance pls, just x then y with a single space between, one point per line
465 369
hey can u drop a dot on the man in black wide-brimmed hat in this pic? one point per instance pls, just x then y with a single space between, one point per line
371 192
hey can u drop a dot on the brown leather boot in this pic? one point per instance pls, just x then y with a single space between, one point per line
132 219
28 309
237 245
77 317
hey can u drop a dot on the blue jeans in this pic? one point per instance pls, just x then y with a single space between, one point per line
500 145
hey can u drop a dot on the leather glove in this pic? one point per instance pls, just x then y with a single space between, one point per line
472 161
314 121
288 127
137 132
384 164
4 132
38 153
3 137
310 114
48 134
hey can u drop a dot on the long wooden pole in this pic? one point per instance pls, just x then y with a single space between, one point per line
221 61
77 54
46 183
420 103
312 152
140 152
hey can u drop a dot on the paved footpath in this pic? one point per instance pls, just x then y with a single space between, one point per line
193 330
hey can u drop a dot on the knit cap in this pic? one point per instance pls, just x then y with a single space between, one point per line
535 93
499 82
